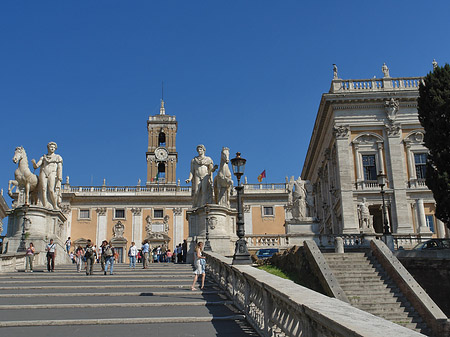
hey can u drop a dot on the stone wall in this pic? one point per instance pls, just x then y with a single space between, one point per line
432 272
295 262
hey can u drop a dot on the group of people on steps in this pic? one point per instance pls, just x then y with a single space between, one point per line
106 255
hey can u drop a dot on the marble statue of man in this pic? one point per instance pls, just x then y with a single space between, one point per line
202 168
364 215
50 177
299 199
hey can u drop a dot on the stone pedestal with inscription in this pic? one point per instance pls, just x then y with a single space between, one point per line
39 225
221 223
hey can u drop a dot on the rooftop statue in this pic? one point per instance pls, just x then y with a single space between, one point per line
223 180
385 70
202 168
50 177
23 177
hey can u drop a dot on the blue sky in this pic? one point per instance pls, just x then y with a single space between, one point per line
244 74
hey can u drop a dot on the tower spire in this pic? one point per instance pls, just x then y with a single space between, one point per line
162 110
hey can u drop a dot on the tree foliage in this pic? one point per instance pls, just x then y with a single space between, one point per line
434 115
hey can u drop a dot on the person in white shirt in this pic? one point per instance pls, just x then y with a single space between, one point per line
132 253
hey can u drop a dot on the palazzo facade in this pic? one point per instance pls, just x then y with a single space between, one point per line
364 128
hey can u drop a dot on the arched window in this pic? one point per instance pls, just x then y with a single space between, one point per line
162 139
162 172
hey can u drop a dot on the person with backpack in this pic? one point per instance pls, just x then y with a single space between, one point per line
102 254
90 255
132 253
108 252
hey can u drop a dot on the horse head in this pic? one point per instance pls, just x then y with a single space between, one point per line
225 156
19 153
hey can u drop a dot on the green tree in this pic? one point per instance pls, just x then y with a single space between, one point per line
434 115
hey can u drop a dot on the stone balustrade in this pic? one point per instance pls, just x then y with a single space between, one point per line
284 241
375 84
279 307
267 241
127 189
163 188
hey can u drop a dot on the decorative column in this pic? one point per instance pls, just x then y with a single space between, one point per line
421 220
396 169
440 229
411 169
178 227
359 176
346 180
380 158
102 233
136 225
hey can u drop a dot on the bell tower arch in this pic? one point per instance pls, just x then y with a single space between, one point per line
162 155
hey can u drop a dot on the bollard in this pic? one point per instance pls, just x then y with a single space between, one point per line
339 245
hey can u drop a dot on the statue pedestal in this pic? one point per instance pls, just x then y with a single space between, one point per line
41 225
221 226
305 226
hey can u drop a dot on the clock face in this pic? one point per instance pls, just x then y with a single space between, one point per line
161 153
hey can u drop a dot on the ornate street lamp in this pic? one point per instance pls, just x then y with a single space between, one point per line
207 247
241 254
382 180
22 244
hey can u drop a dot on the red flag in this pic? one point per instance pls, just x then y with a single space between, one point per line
262 175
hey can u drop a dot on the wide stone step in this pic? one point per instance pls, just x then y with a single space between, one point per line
235 328
118 312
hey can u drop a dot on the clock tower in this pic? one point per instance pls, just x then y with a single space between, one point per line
162 156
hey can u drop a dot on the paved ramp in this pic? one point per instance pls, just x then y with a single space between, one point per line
151 302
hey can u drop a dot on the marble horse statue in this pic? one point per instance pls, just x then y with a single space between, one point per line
24 177
223 181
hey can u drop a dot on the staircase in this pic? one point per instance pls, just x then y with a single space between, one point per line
369 288
150 302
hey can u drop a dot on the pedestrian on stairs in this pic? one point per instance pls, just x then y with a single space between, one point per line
90 256
109 258
51 253
132 254
199 264
29 258
79 253
145 250
102 252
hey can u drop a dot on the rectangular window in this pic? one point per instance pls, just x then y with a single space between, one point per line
369 167
430 222
268 210
158 213
119 213
420 160
85 214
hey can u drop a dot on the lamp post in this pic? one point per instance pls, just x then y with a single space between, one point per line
22 245
207 247
382 179
241 254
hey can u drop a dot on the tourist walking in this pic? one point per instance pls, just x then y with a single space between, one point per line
68 244
102 252
109 258
145 250
89 255
79 253
51 252
29 257
132 254
184 250
199 264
